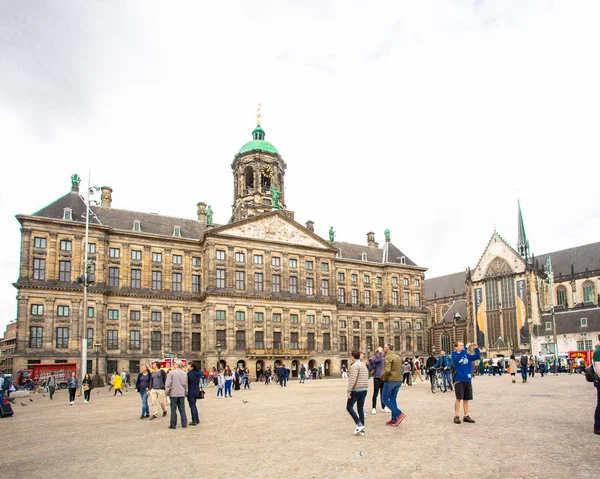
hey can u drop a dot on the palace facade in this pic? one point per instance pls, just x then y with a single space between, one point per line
259 290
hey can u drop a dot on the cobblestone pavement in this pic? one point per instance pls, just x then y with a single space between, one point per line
542 429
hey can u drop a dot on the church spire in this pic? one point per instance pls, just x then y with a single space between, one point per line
522 243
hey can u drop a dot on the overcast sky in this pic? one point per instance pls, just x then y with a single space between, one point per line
429 118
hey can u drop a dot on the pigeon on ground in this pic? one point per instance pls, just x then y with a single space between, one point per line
97 392
44 395
23 404
30 399
244 401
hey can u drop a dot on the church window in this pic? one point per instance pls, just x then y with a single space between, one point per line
445 342
589 292
561 296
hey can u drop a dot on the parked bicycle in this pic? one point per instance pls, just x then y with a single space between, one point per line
437 381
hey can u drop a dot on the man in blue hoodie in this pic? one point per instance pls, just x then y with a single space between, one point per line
463 389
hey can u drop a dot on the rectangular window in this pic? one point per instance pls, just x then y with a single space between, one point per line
379 282
343 324
326 341
405 281
91 312
369 343
240 316
240 340
367 297
394 298
176 317
380 326
396 324
177 259
294 318
396 343
156 279
136 278
310 318
406 299
156 341
356 343
343 344
354 278
258 259
136 255
258 281
294 343
582 321
354 296
35 336
418 325
419 343
341 295
259 339
240 280
220 278
325 287
276 318
196 318
588 344
259 317
277 340
195 261
310 288
417 299
177 282
222 338
221 314
91 248
114 253
39 268
39 243
548 325
341 276
356 324
195 341
367 279
156 316
111 366
310 341
293 263
379 298
326 319
381 340
293 284
195 283
276 261
113 314
176 341
324 266
63 311
90 338
276 283
66 245
64 271
394 282
240 257
157 257
221 255
135 315
134 366
62 337
113 277
417 283
134 340
37 309
309 265
368 325
407 325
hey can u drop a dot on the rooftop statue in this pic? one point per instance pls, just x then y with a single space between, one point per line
209 216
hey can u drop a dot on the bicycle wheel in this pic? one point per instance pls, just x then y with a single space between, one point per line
433 382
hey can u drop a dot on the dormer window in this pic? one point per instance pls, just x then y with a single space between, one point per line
68 214
402 259
137 225
177 231
583 322
363 256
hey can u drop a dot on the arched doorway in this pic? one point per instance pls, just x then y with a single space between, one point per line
241 363
295 368
259 368
327 367
312 364
223 364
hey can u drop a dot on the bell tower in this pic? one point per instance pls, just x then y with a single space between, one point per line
258 177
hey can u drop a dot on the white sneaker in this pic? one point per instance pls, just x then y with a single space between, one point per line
374 410
71 403
385 409
358 430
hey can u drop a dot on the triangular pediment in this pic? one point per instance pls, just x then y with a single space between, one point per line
275 227
498 259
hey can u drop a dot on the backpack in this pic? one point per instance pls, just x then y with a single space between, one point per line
590 375
523 360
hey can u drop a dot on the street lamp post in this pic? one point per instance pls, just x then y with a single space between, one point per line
530 323
98 382
550 281
218 356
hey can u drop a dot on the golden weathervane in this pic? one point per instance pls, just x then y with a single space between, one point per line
258 114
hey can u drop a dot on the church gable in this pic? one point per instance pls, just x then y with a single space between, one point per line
498 259
274 227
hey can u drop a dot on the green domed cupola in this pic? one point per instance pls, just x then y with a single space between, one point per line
258 142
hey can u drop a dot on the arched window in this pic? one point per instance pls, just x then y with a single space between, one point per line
561 296
446 342
589 291
249 177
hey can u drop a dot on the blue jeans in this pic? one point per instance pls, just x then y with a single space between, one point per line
228 387
358 398
193 409
447 380
524 373
178 403
145 408
390 392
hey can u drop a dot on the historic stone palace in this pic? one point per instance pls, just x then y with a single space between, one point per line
256 291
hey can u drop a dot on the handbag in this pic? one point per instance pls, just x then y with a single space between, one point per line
590 374
86 387
201 393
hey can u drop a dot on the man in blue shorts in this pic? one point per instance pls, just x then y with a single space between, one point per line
463 389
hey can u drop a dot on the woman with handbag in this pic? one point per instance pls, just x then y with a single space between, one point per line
87 388
72 385
194 378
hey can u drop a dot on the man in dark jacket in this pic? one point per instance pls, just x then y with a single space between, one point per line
392 377
282 375
376 364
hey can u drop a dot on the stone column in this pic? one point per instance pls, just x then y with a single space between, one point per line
26 262
146 335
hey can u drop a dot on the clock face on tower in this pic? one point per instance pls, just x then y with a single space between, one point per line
267 171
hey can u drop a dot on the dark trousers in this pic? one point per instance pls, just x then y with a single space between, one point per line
118 390
86 394
377 389
597 413
72 392
358 398
524 373
531 371
178 403
193 409
406 378
51 390
283 381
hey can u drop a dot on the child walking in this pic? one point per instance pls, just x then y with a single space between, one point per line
220 385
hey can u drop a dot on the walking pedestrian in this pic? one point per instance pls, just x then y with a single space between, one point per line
462 379
194 377
541 359
220 385
246 378
283 376
51 384
358 384
417 369
376 364
87 388
142 386
176 388
524 363
532 366
118 385
124 379
406 370
513 368
428 365
228 377
303 374
72 385
158 397
392 377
